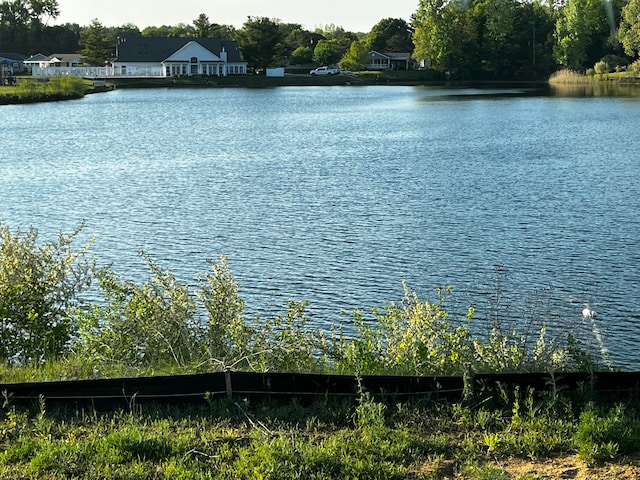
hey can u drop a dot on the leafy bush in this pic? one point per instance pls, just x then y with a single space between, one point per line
158 326
413 338
39 285
150 326
601 68
66 86
602 437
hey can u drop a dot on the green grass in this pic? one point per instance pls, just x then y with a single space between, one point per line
29 90
336 440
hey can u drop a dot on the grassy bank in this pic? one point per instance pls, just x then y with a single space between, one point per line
33 90
494 435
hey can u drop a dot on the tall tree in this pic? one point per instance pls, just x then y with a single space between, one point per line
128 30
629 31
202 26
445 37
96 47
356 58
260 40
390 35
584 34
301 55
326 53
44 9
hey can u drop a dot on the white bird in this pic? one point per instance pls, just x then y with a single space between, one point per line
588 313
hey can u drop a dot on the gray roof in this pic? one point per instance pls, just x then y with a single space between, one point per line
158 49
38 57
13 56
65 57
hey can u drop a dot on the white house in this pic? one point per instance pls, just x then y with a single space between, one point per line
391 61
173 56
57 60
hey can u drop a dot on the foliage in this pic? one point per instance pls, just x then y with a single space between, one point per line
445 37
583 33
356 58
629 29
55 88
39 285
328 439
601 68
390 35
260 41
150 326
158 326
95 45
418 338
601 437
413 338
325 53
301 55
228 337
202 26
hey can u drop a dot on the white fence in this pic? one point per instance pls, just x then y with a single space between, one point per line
98 72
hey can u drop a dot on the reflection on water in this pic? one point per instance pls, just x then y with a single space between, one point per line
600 89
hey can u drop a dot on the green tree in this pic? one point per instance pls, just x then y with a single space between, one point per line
225 32
202 26
500 24
178 30
128 30
584 33
357 58
301 55
39 285
260 40
629 30
96 47
326 53
390 35
23 25
41 9
445 37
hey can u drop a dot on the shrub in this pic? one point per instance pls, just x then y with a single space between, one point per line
601 68
413 338
602 437
39 286
148 326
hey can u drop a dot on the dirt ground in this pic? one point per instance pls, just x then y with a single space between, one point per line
561 468
573 468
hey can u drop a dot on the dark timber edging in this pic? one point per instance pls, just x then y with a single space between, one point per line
116 393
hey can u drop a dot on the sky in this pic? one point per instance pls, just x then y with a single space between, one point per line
352 15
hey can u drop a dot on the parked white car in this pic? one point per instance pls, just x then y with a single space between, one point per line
325 71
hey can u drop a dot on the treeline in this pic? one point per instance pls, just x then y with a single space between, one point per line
512 39
458 39
162 325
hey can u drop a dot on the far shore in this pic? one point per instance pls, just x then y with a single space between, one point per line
399 78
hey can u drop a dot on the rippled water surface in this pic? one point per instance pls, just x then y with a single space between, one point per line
337 194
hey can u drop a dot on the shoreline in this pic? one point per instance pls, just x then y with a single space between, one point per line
391 78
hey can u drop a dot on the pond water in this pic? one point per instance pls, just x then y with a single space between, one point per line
336 195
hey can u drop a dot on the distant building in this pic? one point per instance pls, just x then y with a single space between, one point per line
57 60
173 56
13 60
391 61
